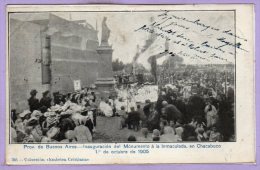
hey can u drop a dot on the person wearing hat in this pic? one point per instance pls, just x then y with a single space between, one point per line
25 115
36 129
33 102
46 99
37 114
50 121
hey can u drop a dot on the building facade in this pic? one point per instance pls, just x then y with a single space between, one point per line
50 53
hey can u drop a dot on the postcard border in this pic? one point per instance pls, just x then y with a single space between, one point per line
59 167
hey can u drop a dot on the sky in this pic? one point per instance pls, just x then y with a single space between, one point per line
124 39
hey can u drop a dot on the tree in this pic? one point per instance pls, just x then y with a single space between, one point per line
117 65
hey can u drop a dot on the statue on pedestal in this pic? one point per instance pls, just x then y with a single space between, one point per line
105 33
105 81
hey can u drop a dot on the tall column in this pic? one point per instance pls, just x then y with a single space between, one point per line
105 81
105 61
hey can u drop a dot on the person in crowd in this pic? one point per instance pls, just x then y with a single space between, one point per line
153 119
214 135
25 116
172 124
65 124
201 135
123 117
70 137
163 123
171 111
168 135
14 116
179 133
13 135
156 135
144 135
146 108
188 109
167 128
211 114
36 131
133 119
50 121
143 119
82 134
33 102
105 108
161 98
46 99
131 138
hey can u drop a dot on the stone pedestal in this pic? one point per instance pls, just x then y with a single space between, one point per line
105 81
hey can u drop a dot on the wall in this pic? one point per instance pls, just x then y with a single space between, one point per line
73 54
25 68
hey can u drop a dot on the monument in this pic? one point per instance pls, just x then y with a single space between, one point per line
105 81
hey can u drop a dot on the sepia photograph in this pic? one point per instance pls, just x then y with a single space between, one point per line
123 76
130 84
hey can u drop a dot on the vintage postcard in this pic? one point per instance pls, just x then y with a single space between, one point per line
130 84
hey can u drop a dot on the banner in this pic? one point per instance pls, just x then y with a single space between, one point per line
77 85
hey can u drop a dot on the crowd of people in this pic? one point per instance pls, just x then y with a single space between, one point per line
63 118
197 106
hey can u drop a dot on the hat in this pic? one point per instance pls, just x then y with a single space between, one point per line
24 113
45 93
32 121
55 108
33 92
156 133
67 112
49 114
36 113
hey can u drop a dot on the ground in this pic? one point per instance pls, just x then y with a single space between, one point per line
107 130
